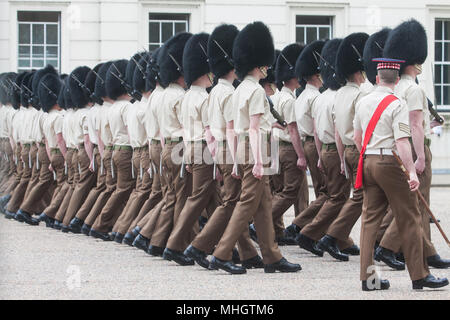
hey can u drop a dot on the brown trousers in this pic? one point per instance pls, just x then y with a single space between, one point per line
19 192
16 168
208 238
141 163
205 190
83 186
57 161
319 184
34 171
95 193
392 239
291 180
10 167
73 175
45 185
255 202
178 190
385 185
125 184
110 187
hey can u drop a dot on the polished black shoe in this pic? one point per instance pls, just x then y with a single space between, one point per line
352 251
283 266
202 222
429 281
4 201
400 257
119 238
227 266
76 225
23 216
45 218
432 221
252 232
256 262
65 229
328 244
292 231
100 235
383 285
437 262
57 225
141 242
155 251
135 231
197 255
86 229
112 235
285 241
128 239
388 257
178 257
236 258
9 214
309 245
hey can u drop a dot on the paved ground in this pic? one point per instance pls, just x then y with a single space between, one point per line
41 263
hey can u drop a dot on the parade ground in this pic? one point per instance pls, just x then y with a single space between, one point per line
42 263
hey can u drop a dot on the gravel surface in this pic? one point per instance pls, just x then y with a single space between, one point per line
42 263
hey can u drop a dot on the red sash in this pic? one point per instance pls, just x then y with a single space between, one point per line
369 131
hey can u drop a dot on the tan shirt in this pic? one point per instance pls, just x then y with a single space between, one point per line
169 117
323 115
68 128
250 99
80 125
285 105
9 120
303 110
220 108
153 107
19 125
117 122
415 98
393 123
194 111
53 124
344 108
103 124
2 121
134 121
92 119
38 129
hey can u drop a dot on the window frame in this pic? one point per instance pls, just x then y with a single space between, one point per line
441 85
161 21
316 26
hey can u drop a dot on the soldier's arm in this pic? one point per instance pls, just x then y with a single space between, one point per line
88 146
61 144
340 148
418 136
255 144
101 145
404 152
297 144
357 138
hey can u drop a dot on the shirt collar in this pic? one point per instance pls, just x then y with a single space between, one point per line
251 78
311 87
407 77
289 91
225 82
197 88
352 84
379 88
176 86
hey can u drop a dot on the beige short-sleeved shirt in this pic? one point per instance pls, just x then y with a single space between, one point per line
323 115
134 121
117 122
220 108
194 111
393 123
19 125
92 119
250 99
53 125
285 107
80 125
303 110
344 110
103 124
169 117
9 120
31 120
39 126
68 128
25 134
415 98
2 117
153 107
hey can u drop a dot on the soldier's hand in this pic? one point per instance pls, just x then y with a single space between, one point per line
218 175
319 165
91 167
258 171
414 183
278 126
188 168
149 170
301 163
342 169
420 166
50 167
234 172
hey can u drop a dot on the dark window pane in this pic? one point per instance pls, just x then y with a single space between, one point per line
300 35
51 52
438 51
153 47
437 73
311 35
313 20
24 63
446 74
324 33
52 34
37 16
168 16
166 30
446 100
438 29
447 30
38 34
447 52
38 52
24 33
38 63
437 91
24 52
153 32
180 27
53 62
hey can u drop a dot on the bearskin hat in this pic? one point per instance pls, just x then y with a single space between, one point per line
308 61
38 75
220 49
131 66
408 42
327 64
349 58
252 48
173 49
48 91
271 71
3 89
100 81
18 88
90 84
25 94
374 49
61 101
140 76
195 58
67 97
114 86
152 70
78 92
285 66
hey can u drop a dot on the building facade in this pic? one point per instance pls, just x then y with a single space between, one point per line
83 32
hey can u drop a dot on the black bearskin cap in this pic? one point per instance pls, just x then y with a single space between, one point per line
285 70
100 81
152 70
140 76
327 65
221 62
349 60
48 91
307 63
195 58
91 78
114 87
80 96
374 49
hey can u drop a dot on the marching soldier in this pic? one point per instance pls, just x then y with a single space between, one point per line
381 128
253 52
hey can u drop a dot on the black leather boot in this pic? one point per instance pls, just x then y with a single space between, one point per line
23 216
75 225
197 255
388 257
256 262
65 229
118 238
178 257
437 262
48 221
128 239
202 222
155 251
429 282
383 285
252 232
141 242
86 229
57 225
352 251
235 257
100 235
309 245
283 266
227 266
328 244
135 231
291 232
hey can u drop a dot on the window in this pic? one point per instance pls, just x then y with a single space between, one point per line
442 63
311 28
162 26
39 39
